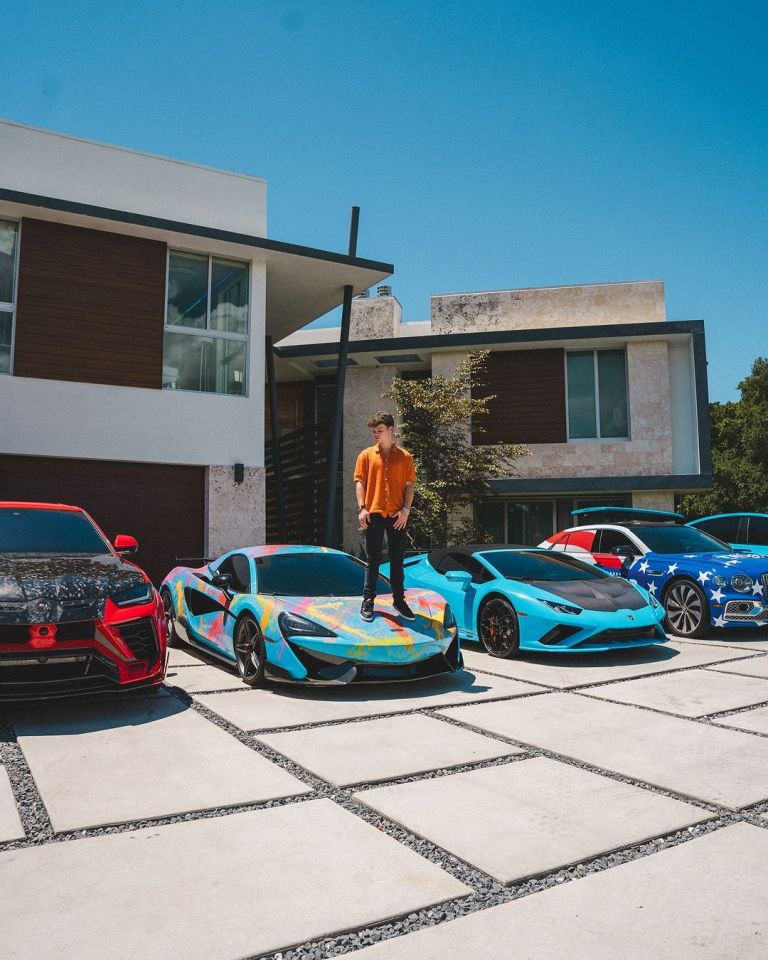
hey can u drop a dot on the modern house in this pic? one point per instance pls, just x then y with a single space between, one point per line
139 297
609 396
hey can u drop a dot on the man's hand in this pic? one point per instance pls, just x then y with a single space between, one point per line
363 518
401 518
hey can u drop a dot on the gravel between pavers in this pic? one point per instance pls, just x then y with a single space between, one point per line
487 891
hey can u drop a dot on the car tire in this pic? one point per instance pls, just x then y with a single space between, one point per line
686 608
174 640
498 628
250 651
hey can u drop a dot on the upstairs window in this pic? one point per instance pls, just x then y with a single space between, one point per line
9 233
597 395
205 347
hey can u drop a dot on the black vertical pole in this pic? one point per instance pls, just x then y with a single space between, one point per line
341 377
277 463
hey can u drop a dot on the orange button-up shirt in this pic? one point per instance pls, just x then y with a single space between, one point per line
384 477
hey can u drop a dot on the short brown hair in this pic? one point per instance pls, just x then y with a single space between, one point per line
382 418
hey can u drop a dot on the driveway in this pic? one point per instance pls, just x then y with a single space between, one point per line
591 807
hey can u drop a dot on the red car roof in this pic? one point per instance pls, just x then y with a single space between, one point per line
27 505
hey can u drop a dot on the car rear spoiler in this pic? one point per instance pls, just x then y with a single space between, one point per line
622 514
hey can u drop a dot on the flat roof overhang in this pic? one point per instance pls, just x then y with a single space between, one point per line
303 283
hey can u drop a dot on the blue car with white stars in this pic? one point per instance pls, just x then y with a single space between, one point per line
701 582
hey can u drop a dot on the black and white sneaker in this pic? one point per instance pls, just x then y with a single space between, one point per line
366 610
403 609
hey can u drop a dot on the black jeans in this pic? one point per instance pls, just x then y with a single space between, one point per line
374 541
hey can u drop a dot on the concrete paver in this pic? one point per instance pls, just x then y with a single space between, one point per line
573 670
380 749
752 667
742 639
181 658
755 720
225 887
203 678
529 817
111 762
284 706
693 693
10 823
721 766
706 899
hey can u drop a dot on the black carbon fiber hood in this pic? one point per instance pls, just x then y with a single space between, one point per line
611 593
55 589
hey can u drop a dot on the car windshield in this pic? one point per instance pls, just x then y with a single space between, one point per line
313 575
544 565
24 530
671 538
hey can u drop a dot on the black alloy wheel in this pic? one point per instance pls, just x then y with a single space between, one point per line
497 628
174 640
687 609
250 652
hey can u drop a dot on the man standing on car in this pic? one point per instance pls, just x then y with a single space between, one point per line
384 479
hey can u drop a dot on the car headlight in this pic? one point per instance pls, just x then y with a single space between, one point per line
132 596
449 621
292 625
654 602
561 607
742 583
719 580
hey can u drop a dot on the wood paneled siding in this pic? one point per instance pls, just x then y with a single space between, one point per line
529 404
162 505
91 306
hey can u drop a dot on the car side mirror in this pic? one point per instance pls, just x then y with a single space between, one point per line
623 551
125 543
222 580
461 578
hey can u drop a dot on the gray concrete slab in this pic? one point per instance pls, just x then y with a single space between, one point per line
285 706
705 899
741 639
178 657
11 827
381 749
694 759
693 693
751 667
754 720
573 670
203 678
116 761
224 888
529 817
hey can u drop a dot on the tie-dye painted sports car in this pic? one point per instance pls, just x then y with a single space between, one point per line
293 613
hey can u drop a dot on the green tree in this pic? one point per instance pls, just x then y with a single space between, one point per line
436 420
739 451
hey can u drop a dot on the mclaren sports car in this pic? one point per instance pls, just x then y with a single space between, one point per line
292 613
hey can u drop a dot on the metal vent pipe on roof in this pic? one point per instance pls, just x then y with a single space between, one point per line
384 290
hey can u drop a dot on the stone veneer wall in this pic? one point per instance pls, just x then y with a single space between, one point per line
647 452
235 511
375 318
546 307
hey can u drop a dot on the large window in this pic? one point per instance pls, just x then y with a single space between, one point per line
8 253
525 522
206 325
597 395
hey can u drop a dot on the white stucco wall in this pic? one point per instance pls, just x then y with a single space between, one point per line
682 390
56 418
56 165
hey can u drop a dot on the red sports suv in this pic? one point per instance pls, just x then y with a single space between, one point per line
75 615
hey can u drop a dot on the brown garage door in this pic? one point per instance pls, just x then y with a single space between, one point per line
161 505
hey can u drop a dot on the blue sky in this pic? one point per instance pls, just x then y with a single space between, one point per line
489 145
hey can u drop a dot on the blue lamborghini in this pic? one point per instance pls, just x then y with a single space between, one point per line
524 598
